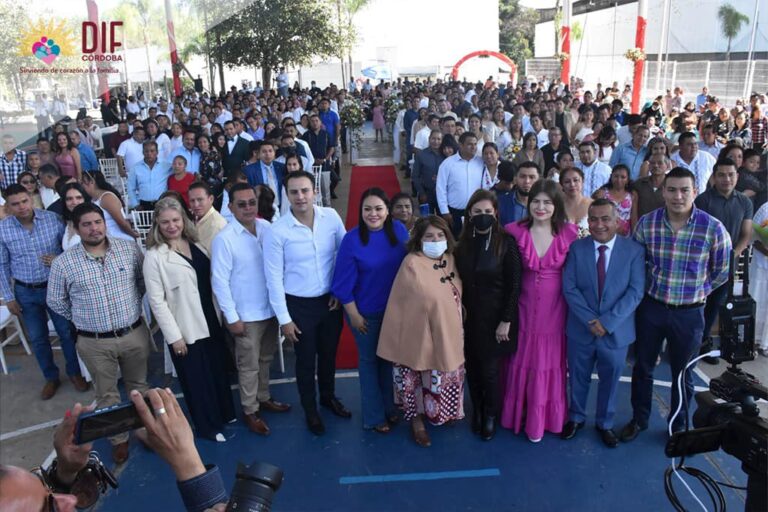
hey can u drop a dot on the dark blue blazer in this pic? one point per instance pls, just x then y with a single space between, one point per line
624 289
255 177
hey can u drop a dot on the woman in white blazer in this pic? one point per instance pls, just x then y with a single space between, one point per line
177 275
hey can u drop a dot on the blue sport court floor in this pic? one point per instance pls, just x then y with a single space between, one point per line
349 469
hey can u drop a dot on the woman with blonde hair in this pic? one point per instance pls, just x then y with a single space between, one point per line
177 276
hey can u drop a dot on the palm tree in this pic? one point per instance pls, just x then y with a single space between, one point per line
731 21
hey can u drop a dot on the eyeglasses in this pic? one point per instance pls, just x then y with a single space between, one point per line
243 204
28 182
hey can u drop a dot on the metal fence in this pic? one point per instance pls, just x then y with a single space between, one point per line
725 79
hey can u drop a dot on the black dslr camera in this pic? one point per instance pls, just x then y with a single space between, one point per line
254 488
727 415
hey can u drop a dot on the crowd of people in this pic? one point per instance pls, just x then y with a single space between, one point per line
554 230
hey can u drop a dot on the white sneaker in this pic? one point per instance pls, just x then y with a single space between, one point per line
220 438
536 440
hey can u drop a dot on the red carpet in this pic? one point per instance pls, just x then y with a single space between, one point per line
363 178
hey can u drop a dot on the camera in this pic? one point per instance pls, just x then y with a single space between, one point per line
254 488
727 416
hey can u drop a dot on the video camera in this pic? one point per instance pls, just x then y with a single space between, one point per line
727 416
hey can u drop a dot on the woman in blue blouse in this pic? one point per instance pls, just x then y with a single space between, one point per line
366 266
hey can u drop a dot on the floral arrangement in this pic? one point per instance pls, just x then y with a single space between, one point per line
635 54
761 232
353 118
392 106
562 57
351 114
511 150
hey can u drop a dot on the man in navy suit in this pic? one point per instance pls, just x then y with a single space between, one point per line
603 283
266 170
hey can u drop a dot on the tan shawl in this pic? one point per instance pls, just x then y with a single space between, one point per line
422 326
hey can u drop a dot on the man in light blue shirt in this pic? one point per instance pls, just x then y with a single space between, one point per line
148 179
458 177
188 151
632 154
88 160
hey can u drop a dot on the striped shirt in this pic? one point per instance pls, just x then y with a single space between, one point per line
684 267
10 169
21 249
98 294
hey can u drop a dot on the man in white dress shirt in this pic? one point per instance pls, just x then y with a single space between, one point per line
700 163
458 177
299 256
596 173
131 151
237 278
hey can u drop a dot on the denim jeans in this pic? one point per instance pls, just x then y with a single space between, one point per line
33 311
376 392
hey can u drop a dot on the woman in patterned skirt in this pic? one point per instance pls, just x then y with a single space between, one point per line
422 331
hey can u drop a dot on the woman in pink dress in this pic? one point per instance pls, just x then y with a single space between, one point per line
534 378
378 120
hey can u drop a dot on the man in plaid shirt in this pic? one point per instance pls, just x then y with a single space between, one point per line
98 285
687 257
30 239
12 162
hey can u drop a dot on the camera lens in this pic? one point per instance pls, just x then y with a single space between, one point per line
254 488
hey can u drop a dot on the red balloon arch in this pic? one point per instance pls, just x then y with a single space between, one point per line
485 53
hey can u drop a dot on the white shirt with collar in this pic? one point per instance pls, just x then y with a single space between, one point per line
542 138
131 151
595 175
701 166
457 180
237 273
225 116
300 261
610 243
245 136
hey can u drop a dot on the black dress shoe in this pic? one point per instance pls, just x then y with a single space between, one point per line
631 431
489 428
609 437
315 424
336 407
570 429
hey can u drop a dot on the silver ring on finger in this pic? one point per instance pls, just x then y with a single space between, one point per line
160 411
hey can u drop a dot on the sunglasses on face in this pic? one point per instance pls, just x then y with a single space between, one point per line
28 182
243 204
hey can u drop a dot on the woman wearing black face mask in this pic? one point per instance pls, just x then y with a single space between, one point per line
488 261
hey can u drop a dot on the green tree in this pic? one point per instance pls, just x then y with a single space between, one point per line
12 17
267 34
517 25
731 21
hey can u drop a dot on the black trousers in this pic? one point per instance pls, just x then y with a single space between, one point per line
316 348
203 379
483 381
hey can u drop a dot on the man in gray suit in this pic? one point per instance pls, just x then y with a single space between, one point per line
603 283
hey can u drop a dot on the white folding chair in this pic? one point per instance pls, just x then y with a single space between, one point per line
7 319
142 223
317 171
108 167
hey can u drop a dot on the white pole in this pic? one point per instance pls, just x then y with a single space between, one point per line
659 56
748 81
706 77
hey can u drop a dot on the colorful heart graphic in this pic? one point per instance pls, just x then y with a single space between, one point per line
46 50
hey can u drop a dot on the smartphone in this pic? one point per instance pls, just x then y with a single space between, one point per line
107 422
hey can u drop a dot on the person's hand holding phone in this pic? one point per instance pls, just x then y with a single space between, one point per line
70 457
169 433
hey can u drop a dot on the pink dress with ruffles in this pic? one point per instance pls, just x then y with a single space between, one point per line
534 378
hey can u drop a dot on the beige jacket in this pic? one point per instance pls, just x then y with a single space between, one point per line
208 227
172 292
422 327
